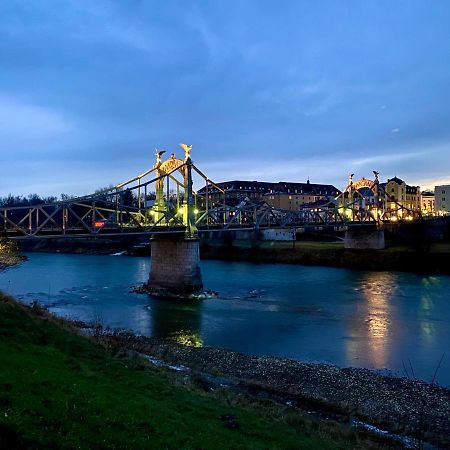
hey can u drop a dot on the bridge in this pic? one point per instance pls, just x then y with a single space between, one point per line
162 203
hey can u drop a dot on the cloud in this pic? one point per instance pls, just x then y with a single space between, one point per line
198 23
387 157
308 99
331 169
431 183
103 23
268 92
23 123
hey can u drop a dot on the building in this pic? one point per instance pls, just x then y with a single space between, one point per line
427 203
442 199
401 200
293 196
237 189
283 195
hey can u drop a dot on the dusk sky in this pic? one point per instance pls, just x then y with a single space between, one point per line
263 90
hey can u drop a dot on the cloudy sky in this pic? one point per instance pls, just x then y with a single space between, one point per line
267 90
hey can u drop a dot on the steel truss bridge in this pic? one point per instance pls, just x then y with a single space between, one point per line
162 200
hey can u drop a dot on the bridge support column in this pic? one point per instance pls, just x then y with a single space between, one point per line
364 239
175 268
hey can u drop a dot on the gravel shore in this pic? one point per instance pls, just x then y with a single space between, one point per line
400 405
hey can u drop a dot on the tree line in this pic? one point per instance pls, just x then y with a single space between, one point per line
128 198
29 200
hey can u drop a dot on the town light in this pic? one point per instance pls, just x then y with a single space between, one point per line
195 211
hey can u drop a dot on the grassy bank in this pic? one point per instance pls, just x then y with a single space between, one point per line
60 390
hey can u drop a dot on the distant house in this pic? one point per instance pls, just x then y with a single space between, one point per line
400 197
428 203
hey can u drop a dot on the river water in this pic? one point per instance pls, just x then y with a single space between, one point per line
380 320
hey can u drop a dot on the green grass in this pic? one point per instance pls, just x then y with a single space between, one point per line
60 390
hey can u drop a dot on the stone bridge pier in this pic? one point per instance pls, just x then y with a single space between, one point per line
175 265
175 261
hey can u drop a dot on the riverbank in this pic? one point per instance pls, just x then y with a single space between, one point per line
434 258
400 405
430 258
60 389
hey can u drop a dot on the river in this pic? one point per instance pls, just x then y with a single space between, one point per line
388 321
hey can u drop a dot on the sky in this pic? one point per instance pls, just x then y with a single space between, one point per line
263 90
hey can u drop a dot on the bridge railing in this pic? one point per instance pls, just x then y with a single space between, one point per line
125 208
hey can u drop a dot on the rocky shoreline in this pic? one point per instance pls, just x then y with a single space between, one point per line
402 406
8 260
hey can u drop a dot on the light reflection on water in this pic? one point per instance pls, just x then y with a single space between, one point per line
371 325
350 318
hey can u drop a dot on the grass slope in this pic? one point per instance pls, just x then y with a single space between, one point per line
60 390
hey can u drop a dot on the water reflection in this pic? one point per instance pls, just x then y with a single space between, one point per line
178 321
371 325
426 310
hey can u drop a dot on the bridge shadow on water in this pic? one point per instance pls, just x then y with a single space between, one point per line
178 321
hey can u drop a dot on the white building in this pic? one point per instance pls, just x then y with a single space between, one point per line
442 199
427 201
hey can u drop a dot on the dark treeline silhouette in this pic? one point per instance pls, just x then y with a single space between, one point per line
30 200
128 198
